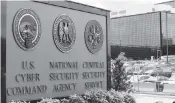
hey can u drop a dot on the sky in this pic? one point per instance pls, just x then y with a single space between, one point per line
130 7
118 4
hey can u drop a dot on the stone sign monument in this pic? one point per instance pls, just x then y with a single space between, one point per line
52 49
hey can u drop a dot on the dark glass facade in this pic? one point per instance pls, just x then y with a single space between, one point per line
145 33
170 26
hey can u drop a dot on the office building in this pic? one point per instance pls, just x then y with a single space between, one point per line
143 35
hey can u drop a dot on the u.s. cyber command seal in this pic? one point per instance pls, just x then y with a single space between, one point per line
26 29
64 33
93 36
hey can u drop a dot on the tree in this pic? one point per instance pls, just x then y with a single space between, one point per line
119 75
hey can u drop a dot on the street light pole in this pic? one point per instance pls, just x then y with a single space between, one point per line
158 51
120 47
167 34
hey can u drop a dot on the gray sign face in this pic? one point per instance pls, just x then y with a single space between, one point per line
93 36
45 71
64 33
26 29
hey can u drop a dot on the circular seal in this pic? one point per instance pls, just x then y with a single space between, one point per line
93 36
26 29
64 33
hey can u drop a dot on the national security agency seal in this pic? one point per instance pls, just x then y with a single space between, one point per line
26 29
93 36
64 33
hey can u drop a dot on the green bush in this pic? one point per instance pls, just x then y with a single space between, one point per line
65 100
49 100
76 99
18 101
92 96
119 75
128 99
95 96
114 96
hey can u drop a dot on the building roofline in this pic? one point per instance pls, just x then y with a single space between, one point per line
139 14
165 2
76 6
136 14
87 5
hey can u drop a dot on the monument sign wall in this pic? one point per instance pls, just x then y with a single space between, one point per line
53 49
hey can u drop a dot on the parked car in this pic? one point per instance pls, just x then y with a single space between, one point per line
171 80
140 78
156 79
170 57
168 82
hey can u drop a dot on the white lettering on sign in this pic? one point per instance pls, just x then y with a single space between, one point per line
27 77
28 65
26 90
96 84
63 65
63 76
93 75
64 87
93 65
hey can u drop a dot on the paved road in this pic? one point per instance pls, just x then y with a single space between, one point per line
148 98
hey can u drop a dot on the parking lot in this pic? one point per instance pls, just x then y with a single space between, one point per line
150 98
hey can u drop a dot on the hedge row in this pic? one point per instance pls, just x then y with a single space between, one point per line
92 96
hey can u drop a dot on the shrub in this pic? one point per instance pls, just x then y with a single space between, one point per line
65 100
128 98
119 75
76 99
18 101
49 100
95 96
114 96
159 102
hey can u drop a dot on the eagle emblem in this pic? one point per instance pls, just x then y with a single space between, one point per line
64 33
26 29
